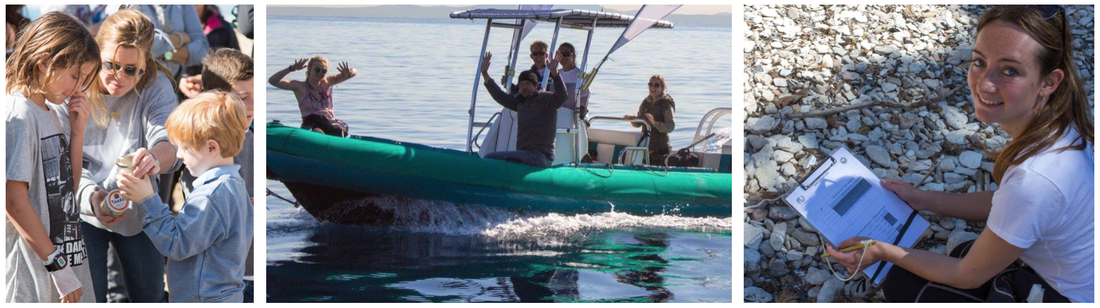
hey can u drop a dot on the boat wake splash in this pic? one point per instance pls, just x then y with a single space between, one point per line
427 216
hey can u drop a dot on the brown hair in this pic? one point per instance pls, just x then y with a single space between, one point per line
1066 106
226 67
538 43
212 115
569 46
127 28
59 39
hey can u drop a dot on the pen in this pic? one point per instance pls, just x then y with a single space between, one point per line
868 243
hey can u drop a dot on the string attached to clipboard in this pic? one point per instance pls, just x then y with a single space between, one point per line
831 162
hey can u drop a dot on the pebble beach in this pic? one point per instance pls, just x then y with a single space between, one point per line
889 83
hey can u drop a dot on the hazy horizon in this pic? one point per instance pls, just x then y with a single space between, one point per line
684 10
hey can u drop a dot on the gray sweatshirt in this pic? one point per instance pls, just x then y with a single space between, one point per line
138 123
538 115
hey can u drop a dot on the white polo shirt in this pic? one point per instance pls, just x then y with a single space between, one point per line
1045 205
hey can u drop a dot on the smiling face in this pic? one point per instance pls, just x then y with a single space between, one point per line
316 72
243 90
1006 79
538 56
117 81
65 83
568 57
656 87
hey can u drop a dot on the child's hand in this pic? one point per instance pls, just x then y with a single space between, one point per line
191 86
299 64
72 297
97 199
145 163
133 188
345 70
79 109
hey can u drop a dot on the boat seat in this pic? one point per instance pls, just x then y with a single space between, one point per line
565 146
606 146
502 134
636 156
722 162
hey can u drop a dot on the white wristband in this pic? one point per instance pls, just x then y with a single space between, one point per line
54 255
65 280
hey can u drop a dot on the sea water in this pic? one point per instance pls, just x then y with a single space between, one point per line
414 84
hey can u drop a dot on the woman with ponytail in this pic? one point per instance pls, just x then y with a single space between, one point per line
1038 238
131 101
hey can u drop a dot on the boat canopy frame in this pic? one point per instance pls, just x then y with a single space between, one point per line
584 20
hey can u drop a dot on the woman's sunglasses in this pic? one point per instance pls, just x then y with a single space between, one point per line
654 85
320 70
129 70
1048 11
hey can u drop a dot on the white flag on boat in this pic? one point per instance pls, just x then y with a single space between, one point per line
530 25
647 16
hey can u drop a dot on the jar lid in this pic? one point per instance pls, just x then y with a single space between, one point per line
126 161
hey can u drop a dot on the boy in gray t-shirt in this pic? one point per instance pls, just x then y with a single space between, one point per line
38 155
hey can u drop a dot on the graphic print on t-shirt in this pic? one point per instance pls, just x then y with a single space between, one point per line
58 176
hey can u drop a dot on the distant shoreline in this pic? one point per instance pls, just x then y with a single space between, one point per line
412 12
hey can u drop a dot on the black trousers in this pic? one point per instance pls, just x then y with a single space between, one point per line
901 285
333 127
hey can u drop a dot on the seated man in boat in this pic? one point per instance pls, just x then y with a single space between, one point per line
315 94
537 113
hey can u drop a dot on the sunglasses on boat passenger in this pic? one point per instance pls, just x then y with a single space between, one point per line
538 53
1048 11
129 70
320 70
654 85
566 54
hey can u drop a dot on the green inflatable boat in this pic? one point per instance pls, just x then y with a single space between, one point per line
324 171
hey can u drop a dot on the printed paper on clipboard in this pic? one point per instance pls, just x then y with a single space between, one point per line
843 199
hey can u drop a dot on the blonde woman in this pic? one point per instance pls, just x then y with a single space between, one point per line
131 100
1039 222
657 109
315 94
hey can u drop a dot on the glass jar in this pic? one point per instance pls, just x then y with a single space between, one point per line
114 205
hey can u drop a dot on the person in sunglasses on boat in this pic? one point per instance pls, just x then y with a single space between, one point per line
537 113
570 74
538 64
315 94
1038 239
657 109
